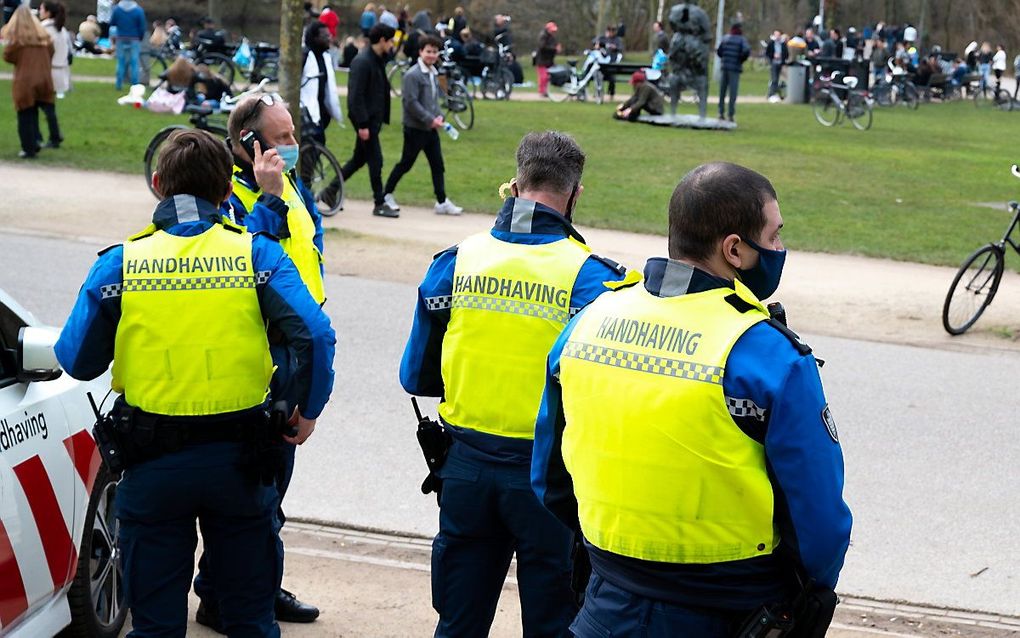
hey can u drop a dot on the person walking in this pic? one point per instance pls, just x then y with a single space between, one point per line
29 48
545 56
488 310
320 104
193 399
368 107
733 51
776 52
129 20
422 121
686 435
53 18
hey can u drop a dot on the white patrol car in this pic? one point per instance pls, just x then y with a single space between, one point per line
59 564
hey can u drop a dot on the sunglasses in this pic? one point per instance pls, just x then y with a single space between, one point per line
267 99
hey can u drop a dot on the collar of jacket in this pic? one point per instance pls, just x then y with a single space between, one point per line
426 69
525 216
244 170
669 278
181 209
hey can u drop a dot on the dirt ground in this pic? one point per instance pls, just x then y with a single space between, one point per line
835 295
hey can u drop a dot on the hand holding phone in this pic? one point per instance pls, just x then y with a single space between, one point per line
267 163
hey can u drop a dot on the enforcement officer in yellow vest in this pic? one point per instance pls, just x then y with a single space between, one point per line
269 197
686 434
181 309
488 311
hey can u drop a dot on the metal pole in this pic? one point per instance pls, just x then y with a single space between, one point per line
716 62
821 18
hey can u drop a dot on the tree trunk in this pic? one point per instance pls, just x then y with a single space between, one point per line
214 9
600 23
292 18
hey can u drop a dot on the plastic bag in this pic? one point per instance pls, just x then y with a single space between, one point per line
163 101
242 57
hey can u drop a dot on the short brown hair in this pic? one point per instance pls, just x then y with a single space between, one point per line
429 40
194 162
549 161
713 201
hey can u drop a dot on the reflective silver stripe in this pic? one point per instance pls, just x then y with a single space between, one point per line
442 302
745 408
186 207
110 291
676 279
639 362
189 283
498 304
522 216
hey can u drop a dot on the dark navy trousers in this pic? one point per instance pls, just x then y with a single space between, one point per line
157 505
488 513
613 612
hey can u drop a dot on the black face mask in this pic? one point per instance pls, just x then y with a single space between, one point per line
571 203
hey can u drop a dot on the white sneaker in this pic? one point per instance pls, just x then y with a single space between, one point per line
773 99
390 201
448 208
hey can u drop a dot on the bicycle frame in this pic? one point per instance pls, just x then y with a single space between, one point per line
1007 238
593 64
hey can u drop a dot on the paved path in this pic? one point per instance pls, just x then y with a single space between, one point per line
928 436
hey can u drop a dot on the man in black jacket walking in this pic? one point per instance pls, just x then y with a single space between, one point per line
732 51
368 107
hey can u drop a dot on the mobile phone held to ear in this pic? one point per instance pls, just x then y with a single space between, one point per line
248 143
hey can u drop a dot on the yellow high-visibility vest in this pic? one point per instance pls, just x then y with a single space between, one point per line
510 302
660 470
191 339
300 246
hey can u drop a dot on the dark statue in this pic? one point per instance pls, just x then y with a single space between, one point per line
689 53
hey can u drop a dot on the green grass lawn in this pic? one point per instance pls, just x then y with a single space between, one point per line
907 189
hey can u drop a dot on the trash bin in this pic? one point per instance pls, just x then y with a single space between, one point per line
798 89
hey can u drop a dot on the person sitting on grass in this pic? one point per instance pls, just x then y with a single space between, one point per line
647 97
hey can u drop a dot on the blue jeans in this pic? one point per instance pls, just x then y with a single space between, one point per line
612 611
128 56
157 505
487 513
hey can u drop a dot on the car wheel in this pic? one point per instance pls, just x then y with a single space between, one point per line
97 593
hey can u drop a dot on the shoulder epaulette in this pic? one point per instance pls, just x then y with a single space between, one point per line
613 265
631 278
798 343
108 249
267 235
229 225
739 304
451 249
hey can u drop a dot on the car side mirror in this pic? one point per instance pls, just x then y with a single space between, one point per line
35 356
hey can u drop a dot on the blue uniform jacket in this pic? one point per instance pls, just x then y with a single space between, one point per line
85 347
775 396
520 222
269 214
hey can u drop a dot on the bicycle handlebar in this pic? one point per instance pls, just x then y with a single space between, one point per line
233 101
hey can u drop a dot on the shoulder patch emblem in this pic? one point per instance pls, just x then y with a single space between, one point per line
830 423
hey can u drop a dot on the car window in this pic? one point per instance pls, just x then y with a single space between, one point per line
10 324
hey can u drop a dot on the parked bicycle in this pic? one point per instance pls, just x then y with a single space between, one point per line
395 71
894 88
457 102
317 166
835 101
497 77
977 280
565 82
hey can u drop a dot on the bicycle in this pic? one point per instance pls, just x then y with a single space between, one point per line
986 95
561 88
457 102
895 88
830 108
497 79
318 167
977 280
395 74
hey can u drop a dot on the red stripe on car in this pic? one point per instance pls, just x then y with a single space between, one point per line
13 600
61 555
85 455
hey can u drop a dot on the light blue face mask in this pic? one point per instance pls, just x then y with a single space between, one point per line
289 155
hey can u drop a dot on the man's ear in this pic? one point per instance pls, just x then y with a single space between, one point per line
729 247
230 191
155 184
513 188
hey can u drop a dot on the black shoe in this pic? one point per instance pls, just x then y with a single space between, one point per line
380 210
208 614
290 609
53 143
24 155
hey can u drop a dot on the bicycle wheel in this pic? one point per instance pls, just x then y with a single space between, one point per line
563 92
153 67
910 97
1003 100
320 171
395 75
221 65
460 108
152 153
599 88
972 289
826 110
858 111
984 97
882 94
506 81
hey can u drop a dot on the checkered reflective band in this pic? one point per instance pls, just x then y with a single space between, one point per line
189 283
497 304
440 302
652 364
745 408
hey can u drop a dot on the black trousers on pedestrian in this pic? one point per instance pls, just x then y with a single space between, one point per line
367 152
416 141
729 83
28 126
